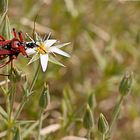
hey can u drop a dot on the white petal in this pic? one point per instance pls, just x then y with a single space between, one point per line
30 51
49 42
44 61
58 51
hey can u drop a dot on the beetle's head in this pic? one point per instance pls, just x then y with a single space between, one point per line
19 47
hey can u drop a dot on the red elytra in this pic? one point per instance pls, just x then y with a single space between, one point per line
11 48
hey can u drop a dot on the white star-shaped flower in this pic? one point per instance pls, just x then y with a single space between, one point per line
44 50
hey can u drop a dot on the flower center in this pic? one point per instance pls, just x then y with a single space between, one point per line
42 49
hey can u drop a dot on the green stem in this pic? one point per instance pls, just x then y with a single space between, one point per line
8 104
103 136
35 78
7 5
6 88
24 99
12 100
116 112
9 135
40 123
20 108
89 134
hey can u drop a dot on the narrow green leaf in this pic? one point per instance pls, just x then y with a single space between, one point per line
25 89
17 135
2 6
23 122
34 58
62 45
6 28
30 128
53 60
3 113
3 91
3 10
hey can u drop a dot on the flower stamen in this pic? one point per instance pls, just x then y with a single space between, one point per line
41 49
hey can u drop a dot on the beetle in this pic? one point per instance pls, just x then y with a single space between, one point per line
12 48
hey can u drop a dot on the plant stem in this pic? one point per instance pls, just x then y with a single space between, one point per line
24 99
103 136
9 136
89 134
20 108
116 112
35 78
12 100
7 97
40 123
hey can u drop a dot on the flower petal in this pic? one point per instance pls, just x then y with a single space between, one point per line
58 51
44 61
30 51
49 42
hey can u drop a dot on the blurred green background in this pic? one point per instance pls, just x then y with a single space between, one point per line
105 43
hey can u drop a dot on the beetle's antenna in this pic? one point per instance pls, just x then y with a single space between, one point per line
15 33
20 36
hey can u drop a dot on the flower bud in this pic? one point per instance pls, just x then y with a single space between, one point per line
103 126
92 100
45 97
88 118
125 85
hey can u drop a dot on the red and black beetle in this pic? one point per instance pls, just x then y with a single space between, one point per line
11 48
